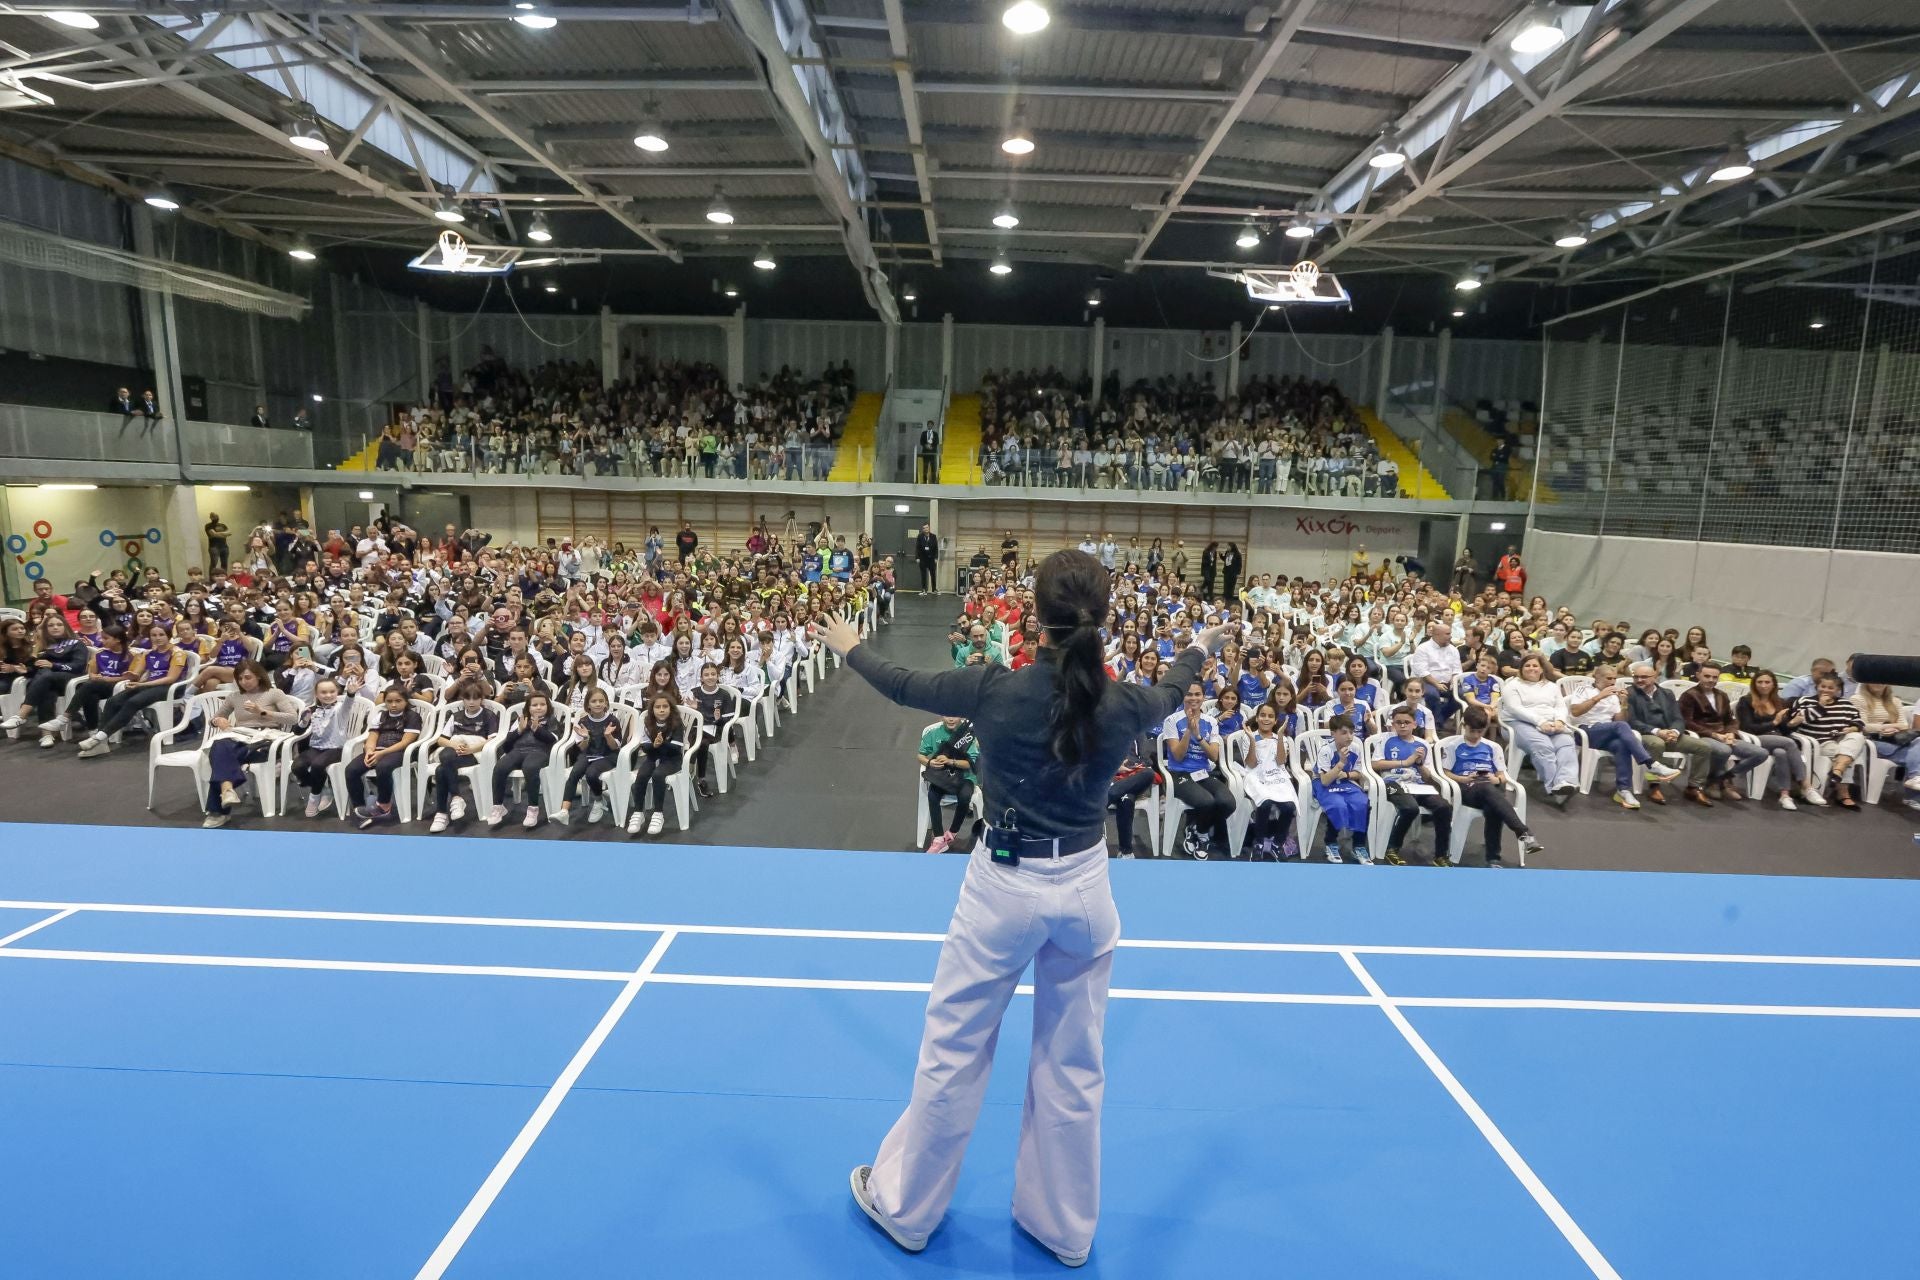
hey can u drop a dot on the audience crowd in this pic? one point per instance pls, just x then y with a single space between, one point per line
1277 435
378 671
1364 703
665 418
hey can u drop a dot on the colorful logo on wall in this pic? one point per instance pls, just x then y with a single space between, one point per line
133 544
29 557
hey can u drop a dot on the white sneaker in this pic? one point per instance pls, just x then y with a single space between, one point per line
1333 853
12 723
47 739
1786 802
561 815
229 794
55 726
313 806
95 746
498 816
1626 799
657 823
214 820
457 809
1913 783
1662 772
733 756
1813 797
596 811
532 819
1362 855
326 802
439 824
635 821
1530 844
864 1198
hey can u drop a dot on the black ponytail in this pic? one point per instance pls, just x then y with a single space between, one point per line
1071 591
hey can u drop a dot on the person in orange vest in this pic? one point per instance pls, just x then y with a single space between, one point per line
1511 574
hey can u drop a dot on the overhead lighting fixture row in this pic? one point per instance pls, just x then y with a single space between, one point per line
764 260
719 212
1736 164
530 16
1389 152
1001 266
1249 237
1025 17
539 232
1018 141
1006 219
1539 31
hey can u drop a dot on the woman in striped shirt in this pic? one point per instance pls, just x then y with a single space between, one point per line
1834 725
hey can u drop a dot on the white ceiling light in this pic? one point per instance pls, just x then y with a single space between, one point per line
448 211
1001 266
231 488
1301 228
732 291
901 508
161 198
1472 280
764 259
539 232
1018 141
650 136
718 210
303 129
529 15
1497 526
1538 32
909 293
301 253
1095 298
366 495
74 18
1571 236
1006 219
1249 237
1389 153
1736 164
70 488
1457 313
1818 324
1025 17
318 398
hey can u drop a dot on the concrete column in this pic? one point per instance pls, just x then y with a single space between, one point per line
1097 358
946 351
1386 370
183 543
1233 361
609 348
163 345
423 326
737 348
893 353
256 354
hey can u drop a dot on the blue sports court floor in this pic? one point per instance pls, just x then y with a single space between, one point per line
291 1055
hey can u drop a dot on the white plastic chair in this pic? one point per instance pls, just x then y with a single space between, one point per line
1465 816
201 706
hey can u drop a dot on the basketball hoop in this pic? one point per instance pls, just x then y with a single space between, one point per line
1303 282
453 251
1305 275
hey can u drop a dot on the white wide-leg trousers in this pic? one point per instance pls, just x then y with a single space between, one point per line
1059 914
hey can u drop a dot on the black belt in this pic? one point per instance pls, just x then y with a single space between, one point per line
1045 846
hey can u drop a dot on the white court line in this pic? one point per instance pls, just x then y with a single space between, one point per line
1555 1211
872 935
770 982
37 925
341 966
462 1228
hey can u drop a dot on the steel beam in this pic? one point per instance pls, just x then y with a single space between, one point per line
910 112
1259 67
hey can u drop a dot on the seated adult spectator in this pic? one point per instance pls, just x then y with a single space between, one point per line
156 671
1834 724
1192 742
59 658
1339 788
394 728
1654 714
1594 703
123 403
949 752
978 640
1893 731
247 725
1536 711
1484 785
1409 775
1708 713
1770 718
1437 662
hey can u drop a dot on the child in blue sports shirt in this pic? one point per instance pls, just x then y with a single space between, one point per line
1477 767
1339 788
1410 788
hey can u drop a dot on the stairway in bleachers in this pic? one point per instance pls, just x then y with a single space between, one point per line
1415 480
363 460
854 459
1479 442
960 442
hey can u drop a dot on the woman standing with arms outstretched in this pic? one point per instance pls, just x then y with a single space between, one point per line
1051 736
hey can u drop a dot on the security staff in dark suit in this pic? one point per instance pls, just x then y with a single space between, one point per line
929 455
123 403
926 550
260 416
